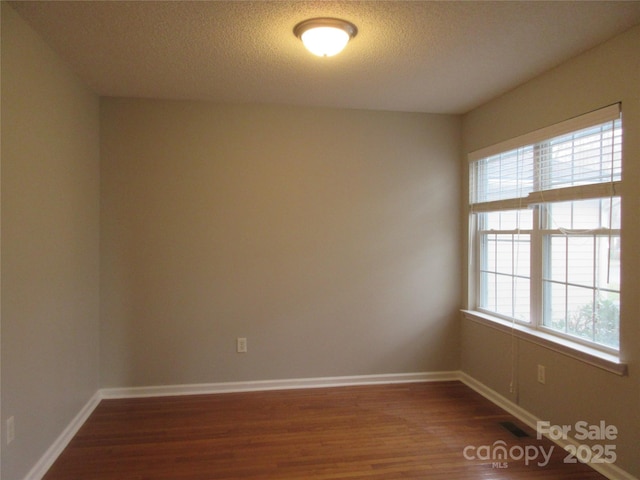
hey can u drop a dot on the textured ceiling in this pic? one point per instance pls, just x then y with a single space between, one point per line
423 56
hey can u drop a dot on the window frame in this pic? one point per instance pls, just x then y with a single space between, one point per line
534 329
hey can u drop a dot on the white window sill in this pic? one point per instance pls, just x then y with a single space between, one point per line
591 356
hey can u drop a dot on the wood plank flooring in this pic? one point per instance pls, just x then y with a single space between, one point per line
402 431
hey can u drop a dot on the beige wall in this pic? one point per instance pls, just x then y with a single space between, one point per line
573 391
50 245
331 239
328 238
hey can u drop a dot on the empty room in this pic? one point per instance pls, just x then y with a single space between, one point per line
228 251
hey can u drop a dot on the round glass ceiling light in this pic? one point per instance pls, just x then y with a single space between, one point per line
325 37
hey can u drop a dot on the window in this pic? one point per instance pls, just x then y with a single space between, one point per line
545 229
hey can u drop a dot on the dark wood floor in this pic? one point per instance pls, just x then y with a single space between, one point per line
415 431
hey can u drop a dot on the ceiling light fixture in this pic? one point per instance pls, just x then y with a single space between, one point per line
325 37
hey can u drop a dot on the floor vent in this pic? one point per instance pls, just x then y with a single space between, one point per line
514 429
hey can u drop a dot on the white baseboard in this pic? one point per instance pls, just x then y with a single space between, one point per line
501 401
609 470
285 384
53 452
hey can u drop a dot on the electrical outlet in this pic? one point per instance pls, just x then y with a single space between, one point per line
11 430
541 374
241 345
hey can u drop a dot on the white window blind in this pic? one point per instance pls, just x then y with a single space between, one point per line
588 156
539 171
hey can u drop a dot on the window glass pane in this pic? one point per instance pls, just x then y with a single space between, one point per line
591 312
522 297
608 262
507 254
508 220
555 306
504 254
607 319
587 214
504 280
488 260
580 320
611 214
580 258
522 255
556 262
559 215
504 295
584 214
488 291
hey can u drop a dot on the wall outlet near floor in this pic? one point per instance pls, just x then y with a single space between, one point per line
11 430
541 374
241 345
